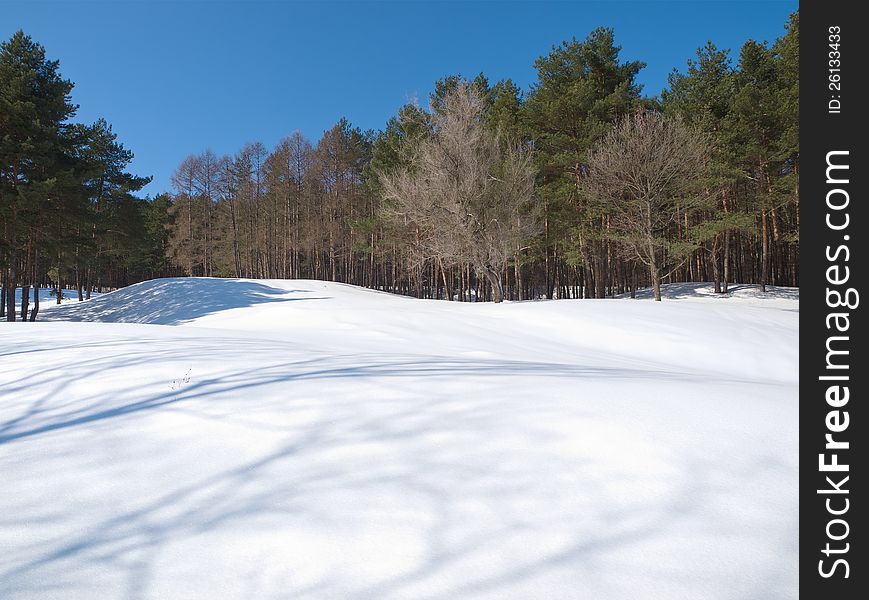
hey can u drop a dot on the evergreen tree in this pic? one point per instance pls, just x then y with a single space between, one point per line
109 187
787 52
582 89
756 126
34 107
702 97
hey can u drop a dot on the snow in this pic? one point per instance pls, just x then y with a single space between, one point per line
209 438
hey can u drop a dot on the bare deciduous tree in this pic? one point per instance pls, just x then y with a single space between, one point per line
288 168
183 242
464 193
645 170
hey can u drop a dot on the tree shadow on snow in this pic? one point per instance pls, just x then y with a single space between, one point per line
310 469
241 385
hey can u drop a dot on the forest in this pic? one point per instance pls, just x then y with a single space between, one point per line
578 187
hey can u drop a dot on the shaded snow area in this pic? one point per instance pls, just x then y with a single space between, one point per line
47 297
207 438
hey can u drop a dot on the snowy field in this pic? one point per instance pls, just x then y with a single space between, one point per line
207 438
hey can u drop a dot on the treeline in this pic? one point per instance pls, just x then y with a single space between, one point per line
68 213
578 187
323 211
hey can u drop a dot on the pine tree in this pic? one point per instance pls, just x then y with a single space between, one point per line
756 125
702 98
34 107
582 89
787 53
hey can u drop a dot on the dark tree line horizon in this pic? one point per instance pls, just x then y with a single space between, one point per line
579 187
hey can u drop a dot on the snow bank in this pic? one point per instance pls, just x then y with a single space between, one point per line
307 439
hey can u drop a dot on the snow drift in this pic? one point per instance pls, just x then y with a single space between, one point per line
199 438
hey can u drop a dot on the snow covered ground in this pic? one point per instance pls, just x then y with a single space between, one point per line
207 438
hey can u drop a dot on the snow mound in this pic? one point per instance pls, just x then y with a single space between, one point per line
171 301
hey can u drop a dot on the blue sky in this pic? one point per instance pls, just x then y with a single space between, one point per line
176 78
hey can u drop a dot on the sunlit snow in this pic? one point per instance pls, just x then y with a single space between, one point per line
213 438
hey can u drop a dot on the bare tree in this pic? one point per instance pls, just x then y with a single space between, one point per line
288 167
193 241
646 172
228 186
206 182
183 243
464 192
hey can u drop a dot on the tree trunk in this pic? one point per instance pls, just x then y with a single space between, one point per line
236 256
495 279
656 282
35 280
35 310
600 274
25 300
716 269
764 252
10 294
654 273
447 292
518 275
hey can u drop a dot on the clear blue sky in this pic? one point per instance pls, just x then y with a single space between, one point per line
179 77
